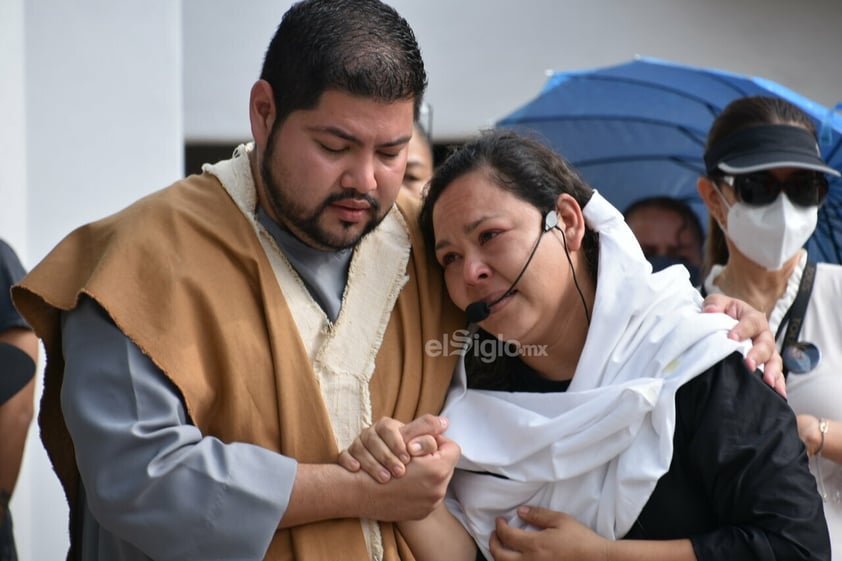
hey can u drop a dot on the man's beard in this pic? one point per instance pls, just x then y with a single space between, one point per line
292 215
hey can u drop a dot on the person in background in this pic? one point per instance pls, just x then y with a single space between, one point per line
764 184
18 359
419 161
594 392
669 233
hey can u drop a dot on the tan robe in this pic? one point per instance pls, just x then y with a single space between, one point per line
183 274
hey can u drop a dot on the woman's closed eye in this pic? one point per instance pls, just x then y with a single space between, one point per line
447 258
487 235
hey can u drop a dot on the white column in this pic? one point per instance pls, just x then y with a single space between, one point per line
103 126
12 127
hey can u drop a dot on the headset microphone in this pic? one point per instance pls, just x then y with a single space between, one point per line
479 310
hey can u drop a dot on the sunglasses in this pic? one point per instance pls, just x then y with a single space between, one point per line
762 188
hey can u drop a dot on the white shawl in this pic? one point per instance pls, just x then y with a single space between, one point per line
597 450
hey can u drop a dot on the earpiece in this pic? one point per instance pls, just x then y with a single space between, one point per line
550 220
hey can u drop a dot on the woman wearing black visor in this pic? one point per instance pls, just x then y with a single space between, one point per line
764 184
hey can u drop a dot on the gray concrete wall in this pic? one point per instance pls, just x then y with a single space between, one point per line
487 57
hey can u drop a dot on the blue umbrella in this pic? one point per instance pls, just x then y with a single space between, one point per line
638 129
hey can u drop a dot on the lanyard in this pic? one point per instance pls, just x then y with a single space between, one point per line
796 311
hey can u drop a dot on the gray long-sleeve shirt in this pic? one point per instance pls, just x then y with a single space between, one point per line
153 487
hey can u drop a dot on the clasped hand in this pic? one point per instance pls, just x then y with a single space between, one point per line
384 449
423 482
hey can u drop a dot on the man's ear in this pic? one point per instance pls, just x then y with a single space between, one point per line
571 221
262 112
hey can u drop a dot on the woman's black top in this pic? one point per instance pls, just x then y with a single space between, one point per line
738 486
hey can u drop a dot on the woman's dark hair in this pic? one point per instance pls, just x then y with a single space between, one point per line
743 113
362 47
533 173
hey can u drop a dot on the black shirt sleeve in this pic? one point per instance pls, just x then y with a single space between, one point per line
11 272
741 466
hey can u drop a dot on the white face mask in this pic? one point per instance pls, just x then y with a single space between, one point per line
770 235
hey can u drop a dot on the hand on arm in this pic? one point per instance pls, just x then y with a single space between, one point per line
561 537
752 325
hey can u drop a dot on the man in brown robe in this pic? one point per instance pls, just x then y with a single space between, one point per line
212 347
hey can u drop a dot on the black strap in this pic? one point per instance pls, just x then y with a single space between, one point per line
796 311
